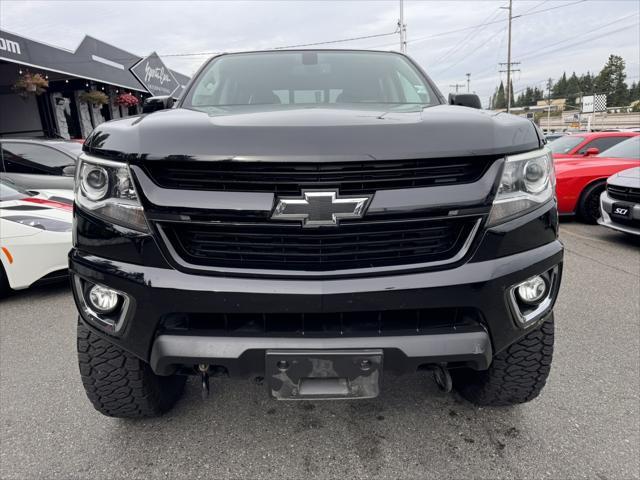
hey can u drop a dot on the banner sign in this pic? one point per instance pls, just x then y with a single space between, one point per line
594 103
155 76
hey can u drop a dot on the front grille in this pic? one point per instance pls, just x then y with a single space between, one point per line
355 244
289 178
624 193
331 324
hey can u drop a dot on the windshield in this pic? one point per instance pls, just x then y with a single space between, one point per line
627 149
565 144
309 78
10 191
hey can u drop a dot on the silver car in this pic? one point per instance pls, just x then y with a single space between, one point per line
620 202
37 164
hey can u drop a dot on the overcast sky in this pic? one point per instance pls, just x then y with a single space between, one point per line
571 35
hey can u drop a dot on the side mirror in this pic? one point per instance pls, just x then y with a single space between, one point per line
153 104
591 152
465 100
69 171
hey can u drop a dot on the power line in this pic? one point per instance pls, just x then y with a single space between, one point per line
470 27
604 34
544 50
364 37
461 43
337 41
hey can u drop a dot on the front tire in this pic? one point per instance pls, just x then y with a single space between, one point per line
120 384
589 206
516 375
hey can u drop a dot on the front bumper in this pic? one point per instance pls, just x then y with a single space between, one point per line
630 225
480 285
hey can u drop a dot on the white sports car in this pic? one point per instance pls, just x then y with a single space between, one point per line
35 235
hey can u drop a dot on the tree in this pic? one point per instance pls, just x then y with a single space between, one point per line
586 84
634 92
573 88
611 81
559 90
499 100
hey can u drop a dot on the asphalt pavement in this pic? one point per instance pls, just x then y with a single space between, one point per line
586 423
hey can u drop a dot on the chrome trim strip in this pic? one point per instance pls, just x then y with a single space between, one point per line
391 268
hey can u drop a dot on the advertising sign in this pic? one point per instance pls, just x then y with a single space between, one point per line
155 76
594 103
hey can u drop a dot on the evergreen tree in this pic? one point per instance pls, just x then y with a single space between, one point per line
559 90
499 100
573 89
511 91
586 84
611 81
634 92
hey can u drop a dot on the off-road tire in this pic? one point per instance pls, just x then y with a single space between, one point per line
589 204
516 375
121 385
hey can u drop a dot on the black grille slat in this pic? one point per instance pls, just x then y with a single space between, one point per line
327 324
291 177
624 193
352 245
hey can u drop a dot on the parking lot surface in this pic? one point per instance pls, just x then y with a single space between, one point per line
584 425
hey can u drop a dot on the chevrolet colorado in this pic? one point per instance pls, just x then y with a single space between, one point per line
314 218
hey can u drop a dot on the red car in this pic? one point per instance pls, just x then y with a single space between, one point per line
587 144
581 180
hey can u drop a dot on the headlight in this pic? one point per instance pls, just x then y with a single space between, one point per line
105 188
528 181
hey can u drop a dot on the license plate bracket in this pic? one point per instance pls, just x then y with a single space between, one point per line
323 374
621 210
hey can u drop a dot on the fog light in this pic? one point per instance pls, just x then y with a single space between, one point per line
533 290
102 299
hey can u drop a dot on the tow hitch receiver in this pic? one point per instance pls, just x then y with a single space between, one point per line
323 374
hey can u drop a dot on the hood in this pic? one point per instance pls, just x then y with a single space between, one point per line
317 132
626 178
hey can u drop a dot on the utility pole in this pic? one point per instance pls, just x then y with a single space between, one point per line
468 82
457 86
549 84
509 62
402 29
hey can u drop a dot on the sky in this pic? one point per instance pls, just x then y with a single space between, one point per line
447 38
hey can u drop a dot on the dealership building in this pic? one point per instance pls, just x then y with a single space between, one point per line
47 91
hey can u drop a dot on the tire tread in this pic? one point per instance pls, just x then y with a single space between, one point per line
517 374
119 384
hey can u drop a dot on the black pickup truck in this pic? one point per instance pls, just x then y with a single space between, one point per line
314 218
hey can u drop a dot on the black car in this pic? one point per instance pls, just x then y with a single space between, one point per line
314 218
37 163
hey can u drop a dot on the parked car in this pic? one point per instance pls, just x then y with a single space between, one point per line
314 217
587 144
39 163
580 181
551 137
35 235
620 202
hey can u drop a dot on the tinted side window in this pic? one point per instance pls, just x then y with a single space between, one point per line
29 158
601 144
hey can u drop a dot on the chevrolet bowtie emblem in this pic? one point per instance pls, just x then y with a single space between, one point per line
318 209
